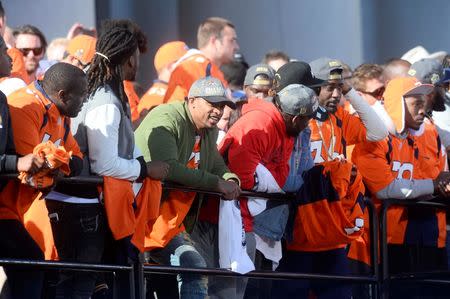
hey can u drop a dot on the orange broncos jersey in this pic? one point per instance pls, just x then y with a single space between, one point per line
153 97
432 156
186 73
330 208
382 162
34 119
330 138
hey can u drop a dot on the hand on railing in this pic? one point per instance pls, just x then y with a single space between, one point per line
230 189
157 170
30 163
442 184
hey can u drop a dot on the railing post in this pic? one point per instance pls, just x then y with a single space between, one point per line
374 237
139 277
384 255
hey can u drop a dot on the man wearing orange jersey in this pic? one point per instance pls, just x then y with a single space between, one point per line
39 112
217 43
331 130
165 62
400 167
334 128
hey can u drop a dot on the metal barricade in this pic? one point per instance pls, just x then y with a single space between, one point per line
137 272
386 278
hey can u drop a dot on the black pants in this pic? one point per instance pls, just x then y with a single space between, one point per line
411 258
16 243
79 232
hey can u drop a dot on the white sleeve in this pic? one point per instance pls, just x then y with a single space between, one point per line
102 126
376 130
442 122
406 189
8 86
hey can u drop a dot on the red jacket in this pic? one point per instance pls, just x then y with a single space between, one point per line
259 136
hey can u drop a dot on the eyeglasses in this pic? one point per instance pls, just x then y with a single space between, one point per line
36 51
377 93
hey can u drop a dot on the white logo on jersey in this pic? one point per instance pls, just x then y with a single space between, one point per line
402 168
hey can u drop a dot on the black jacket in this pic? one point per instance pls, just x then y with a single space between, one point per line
8 158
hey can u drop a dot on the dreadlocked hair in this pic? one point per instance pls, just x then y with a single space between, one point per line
118 44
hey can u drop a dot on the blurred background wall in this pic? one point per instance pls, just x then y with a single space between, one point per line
354 31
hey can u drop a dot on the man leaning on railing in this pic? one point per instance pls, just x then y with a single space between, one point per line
184 134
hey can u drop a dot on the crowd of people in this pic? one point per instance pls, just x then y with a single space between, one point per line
327 136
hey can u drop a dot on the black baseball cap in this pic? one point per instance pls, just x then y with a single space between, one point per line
296 72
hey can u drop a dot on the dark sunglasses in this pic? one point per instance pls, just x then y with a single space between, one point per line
36 51
377 93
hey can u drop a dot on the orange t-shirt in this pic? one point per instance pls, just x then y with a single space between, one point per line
187 72
153 97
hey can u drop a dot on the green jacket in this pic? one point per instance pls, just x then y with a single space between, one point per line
168 134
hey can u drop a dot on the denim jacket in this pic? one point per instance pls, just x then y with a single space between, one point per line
300 161
271 223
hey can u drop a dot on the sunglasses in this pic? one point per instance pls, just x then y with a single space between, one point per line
36 51
377 93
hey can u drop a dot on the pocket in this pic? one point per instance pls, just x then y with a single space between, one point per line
89 224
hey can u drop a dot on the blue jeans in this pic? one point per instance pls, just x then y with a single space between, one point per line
181 252
206 238
79 232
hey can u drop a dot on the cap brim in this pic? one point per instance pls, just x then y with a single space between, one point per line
422 89
219 99
316 82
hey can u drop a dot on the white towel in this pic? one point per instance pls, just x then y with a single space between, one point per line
232 249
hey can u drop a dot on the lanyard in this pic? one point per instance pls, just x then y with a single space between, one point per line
329 149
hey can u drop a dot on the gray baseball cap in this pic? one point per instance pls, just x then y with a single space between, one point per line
427 70
326 68
251 78
212 90
297 99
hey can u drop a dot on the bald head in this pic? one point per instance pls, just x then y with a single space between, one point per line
67 87
395 68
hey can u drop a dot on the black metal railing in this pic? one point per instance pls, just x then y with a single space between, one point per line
379 278
386 278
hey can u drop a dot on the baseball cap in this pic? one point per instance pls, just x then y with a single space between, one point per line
260 69
212 90
169 52
417 53
427 70
326 68
82 47
297 99
296 72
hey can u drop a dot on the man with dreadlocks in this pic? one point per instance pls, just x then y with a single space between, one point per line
105 135
130 77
